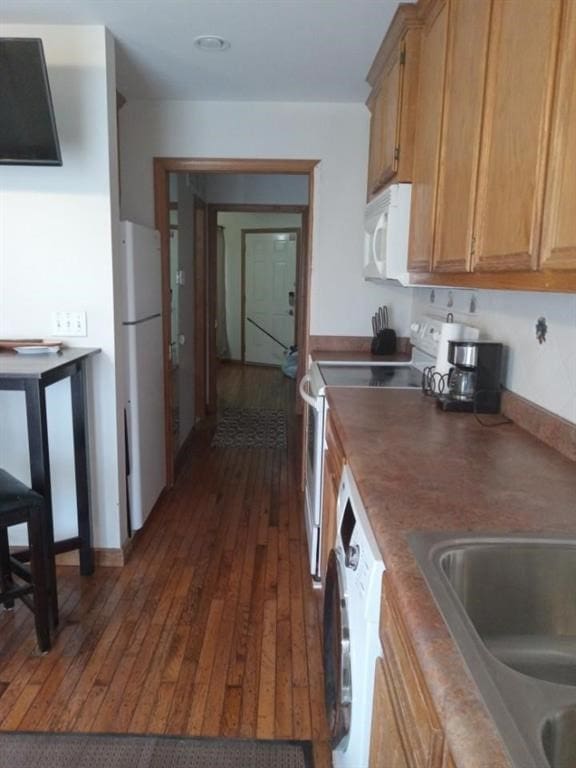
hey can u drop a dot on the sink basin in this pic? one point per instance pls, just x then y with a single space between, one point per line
521 599
510 605
559 739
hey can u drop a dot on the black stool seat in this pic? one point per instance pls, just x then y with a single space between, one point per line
20 504
14 495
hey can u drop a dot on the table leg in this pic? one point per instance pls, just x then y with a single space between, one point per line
40 471
78 391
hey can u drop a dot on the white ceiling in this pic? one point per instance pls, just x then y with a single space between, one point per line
281 50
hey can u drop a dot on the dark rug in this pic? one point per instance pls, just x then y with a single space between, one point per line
250 428
87 750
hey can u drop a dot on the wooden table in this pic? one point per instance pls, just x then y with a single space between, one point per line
32 374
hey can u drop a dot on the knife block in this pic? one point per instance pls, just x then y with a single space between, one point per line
384 343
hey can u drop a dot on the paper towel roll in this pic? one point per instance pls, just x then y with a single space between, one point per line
452 332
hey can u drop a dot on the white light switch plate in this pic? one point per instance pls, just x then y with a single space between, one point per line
69 323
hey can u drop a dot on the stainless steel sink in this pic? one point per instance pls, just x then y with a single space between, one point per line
559 739
510 604
521 599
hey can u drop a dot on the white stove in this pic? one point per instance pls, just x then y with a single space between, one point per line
429 338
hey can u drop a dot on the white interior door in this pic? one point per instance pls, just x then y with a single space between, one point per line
270 288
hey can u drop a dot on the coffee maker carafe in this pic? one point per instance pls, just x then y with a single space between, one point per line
474 379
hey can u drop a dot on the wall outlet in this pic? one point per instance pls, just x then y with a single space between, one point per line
69 323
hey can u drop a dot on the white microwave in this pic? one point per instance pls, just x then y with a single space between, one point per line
386 228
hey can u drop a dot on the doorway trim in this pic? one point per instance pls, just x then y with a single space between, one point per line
162 167
268 231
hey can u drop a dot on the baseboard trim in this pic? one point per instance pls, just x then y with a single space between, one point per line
103 558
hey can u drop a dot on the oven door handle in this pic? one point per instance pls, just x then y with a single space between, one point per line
304 395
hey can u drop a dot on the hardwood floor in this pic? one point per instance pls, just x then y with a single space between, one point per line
212 627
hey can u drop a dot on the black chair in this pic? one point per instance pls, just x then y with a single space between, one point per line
34 585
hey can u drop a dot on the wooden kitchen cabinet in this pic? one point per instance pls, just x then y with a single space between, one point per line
519 85
428 132
386 746
393 77
558 249
403 710
493 199
467 45
334 460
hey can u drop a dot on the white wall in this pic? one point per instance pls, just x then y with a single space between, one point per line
58 235
543 373
257 188
233 224
335 134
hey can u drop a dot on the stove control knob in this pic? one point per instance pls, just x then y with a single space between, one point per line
352 556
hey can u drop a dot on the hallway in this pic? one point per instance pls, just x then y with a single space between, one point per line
211 629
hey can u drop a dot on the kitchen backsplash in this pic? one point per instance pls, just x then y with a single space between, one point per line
537 329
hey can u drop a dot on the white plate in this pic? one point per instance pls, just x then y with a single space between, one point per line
37 350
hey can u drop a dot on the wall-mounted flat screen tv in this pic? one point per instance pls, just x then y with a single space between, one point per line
27 126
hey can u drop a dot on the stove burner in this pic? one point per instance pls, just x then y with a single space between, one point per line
392 376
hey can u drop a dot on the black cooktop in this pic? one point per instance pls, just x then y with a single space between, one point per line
391 376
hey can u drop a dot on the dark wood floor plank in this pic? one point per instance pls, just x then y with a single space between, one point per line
204 669
20 707
283 724
267 682
214 706
251 675
230 722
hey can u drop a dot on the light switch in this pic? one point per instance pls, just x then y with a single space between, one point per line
66 323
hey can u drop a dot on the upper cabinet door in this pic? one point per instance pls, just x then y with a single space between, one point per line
374 158
463 101
394 77
384 125
427 139
558 249
515 133
390 105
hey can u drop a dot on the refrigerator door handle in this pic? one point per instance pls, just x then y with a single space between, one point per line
142 319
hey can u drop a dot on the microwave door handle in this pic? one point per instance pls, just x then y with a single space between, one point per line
304 395
379 228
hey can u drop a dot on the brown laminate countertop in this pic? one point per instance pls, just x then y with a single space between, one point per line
420 469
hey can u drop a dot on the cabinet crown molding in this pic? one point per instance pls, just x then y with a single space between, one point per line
406 17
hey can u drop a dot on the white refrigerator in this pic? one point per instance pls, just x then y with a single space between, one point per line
144 374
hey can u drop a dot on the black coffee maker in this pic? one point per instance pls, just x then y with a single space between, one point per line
474 380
